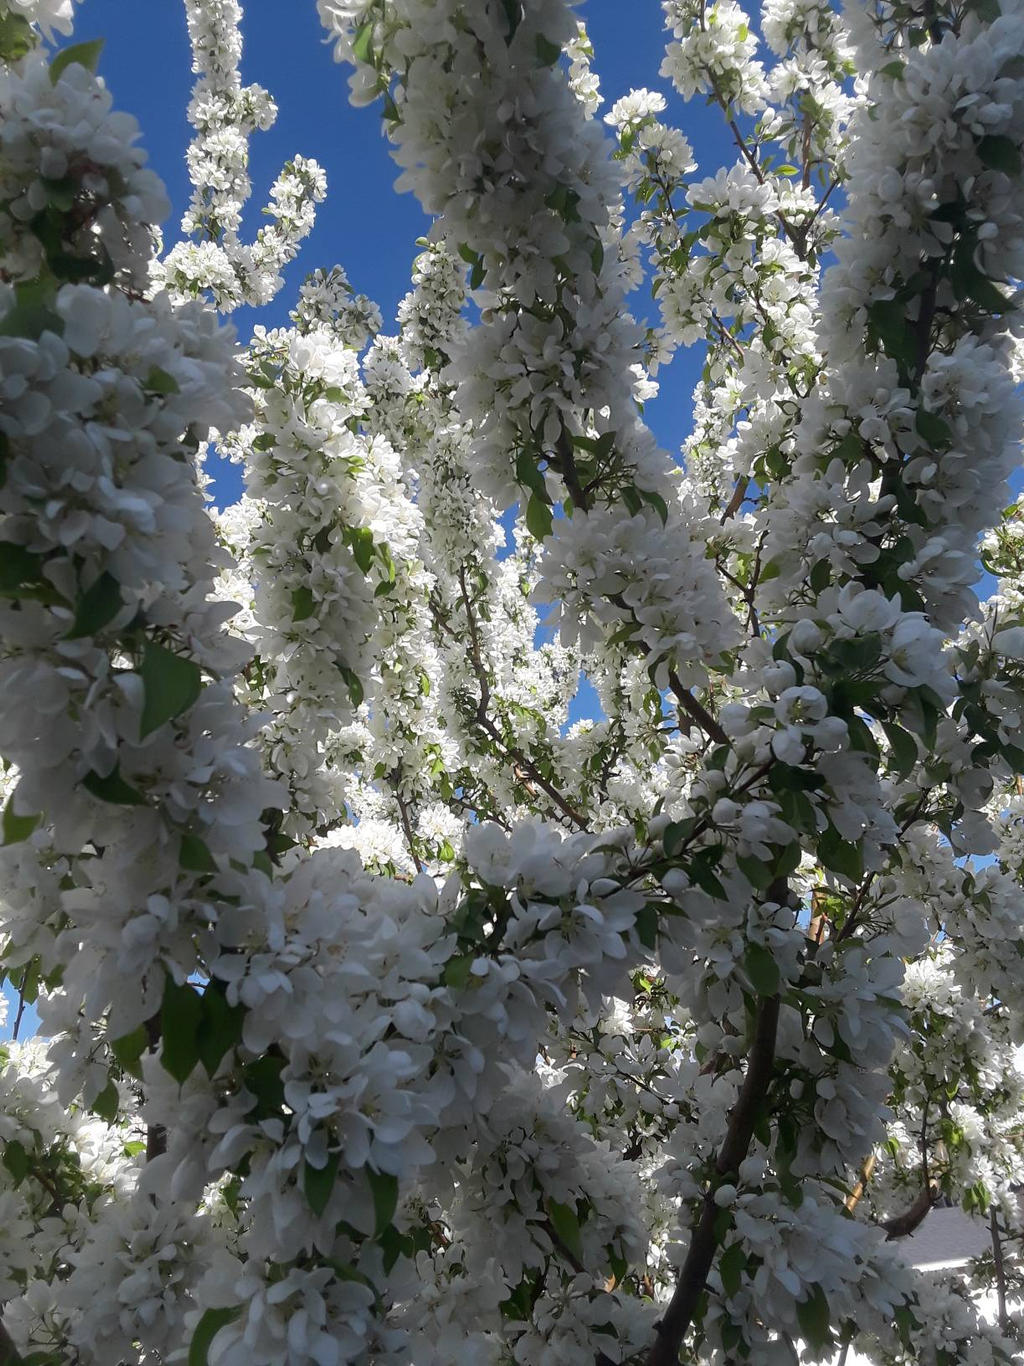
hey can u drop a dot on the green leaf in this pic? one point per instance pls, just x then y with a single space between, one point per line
354 684
172 684
566 1224
207 1328
360 540
16 1160
548 52
160 382
384 1189
647 920
180 1017
758 874
17 828
113 789
16 37
903 746
302 603
762 969
79 54
129 1048
97 607
1000 153
935 430
107 1103
813 1317
18 566
675 836
318 1182
262 1079
362 51
840 856
657 503
538 518
32 313
457 971
220 1028
731 1266
194 855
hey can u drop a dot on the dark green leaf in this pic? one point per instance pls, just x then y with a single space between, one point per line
107 1103
548 52
1000 153
79 54
97 607
32 313
17 828
16 37
263 1080
538 518
194 856
675 836
172 684
762 969
160 382
647 926
657 502
935 430
207 1328
318 1182
758 874
813 1316
16 1160
903 746
129 1048
180 1017
354 684
731 1267
17 566
457 971
840 856
113 789
384 1189
302 603
566 1224
220 1027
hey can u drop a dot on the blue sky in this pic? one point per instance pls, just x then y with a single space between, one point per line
364 225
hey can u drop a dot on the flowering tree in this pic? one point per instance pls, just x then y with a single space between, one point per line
389 1018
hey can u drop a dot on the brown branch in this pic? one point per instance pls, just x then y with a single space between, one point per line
403 811
736 501
156 1134
903 1225
866 1170
696 711
704 1239
997 1254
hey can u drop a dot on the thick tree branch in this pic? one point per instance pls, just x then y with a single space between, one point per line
704 1240
903 1225
696 711
997 1255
